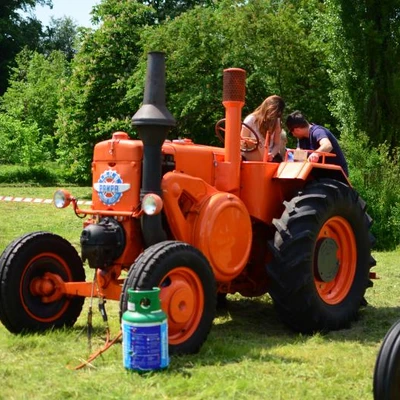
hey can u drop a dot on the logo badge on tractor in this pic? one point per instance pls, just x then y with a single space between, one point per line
110 187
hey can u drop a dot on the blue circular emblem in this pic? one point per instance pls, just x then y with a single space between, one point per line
109 187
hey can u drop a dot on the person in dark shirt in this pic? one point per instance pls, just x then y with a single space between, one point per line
316 137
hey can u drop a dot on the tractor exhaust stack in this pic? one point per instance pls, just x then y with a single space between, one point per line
153 121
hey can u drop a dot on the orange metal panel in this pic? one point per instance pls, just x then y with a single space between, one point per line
119 147
217 223
116 171
182 195
223 232
192 159
262 195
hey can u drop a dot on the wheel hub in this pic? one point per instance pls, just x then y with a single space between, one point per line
327 263
48 287
181 306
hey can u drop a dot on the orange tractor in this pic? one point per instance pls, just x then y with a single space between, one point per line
199 222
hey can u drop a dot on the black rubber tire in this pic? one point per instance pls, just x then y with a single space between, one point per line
21 261
291 272
387 366
151 270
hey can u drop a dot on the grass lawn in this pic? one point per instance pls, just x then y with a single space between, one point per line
249 354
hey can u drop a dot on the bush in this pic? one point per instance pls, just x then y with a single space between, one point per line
37 175
32 97
374 173
19 142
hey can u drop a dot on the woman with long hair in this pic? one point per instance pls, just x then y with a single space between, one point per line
265 121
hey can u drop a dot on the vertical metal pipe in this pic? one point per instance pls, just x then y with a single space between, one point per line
153 121
234 91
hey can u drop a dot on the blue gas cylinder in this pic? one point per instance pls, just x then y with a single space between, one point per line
144 332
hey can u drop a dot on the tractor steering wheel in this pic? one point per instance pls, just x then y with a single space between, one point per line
247 143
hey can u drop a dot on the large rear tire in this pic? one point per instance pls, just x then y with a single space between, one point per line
188 291
387 366
322 258
26 260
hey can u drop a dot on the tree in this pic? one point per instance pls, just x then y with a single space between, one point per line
20 142
94 104
106 88
170 9
33 95
17 32
364 49
279 57
61 34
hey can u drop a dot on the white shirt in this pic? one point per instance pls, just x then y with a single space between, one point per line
251 122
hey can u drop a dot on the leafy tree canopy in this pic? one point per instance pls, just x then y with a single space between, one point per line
33 94
61 34
364 52
279 56
93 105
16 32
106 88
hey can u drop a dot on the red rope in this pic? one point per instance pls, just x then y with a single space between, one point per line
106 346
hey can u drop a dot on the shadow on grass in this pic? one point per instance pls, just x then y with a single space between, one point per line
249 328
255 320
258 317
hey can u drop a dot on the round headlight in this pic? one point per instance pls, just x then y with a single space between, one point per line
62 198
152 204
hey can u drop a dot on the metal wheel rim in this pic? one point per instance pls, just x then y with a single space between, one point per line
335 291
182 299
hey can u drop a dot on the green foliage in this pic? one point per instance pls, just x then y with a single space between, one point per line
363 61
106 88
374 172
33 97
260 37
61 34
39 175
19 142
17 32
170 9
95 97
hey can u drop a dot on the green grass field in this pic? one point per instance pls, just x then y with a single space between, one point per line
249 354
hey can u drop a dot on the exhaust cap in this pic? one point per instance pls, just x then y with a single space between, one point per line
234 85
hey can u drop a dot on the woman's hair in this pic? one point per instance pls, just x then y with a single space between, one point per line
268 113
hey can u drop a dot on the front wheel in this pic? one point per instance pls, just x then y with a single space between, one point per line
188 291
322 258
30 269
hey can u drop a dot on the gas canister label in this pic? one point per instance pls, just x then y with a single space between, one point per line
110 187
145 347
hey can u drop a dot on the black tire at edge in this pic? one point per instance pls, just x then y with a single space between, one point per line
386 384
12 264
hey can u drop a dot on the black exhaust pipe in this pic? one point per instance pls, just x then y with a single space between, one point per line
153 121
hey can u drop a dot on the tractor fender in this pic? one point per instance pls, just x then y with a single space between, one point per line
304 169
